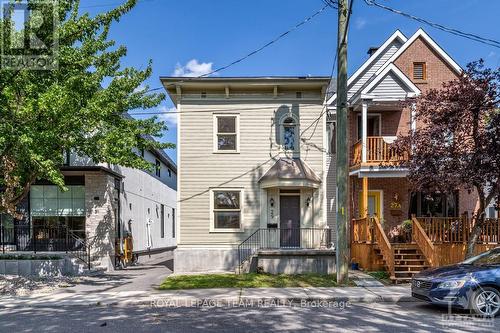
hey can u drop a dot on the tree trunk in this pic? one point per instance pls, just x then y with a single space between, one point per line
473 237
478 219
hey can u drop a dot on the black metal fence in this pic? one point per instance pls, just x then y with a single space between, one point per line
277 238
45 239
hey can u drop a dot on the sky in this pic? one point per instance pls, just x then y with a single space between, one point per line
193 37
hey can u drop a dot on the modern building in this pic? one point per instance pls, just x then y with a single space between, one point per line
251 161
103 204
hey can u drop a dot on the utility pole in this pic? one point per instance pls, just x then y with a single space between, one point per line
342 251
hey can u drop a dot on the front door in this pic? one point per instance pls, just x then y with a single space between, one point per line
290 221
374 204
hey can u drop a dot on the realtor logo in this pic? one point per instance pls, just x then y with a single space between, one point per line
29 35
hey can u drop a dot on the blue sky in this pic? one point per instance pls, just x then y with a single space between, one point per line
189 37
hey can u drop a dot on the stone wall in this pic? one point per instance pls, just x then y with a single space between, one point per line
100 216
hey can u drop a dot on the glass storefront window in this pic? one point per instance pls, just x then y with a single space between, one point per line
49 200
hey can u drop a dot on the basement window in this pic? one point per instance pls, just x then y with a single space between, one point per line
419 71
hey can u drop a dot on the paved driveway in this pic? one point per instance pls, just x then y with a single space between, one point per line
146 276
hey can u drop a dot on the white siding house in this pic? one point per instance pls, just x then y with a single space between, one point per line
246 146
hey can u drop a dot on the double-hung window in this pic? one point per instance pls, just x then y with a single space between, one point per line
226 210
226 133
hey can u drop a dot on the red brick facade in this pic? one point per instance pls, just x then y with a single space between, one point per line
393 123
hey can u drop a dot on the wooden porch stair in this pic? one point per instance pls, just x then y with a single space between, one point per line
408 261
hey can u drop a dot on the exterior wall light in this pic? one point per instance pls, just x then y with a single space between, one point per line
308 201
271 202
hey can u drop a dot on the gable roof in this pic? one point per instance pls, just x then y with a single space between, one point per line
421 33
391 68
396 35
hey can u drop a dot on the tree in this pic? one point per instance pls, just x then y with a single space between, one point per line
457 140
80 105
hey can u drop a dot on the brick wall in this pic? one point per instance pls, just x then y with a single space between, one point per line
438 71
389 187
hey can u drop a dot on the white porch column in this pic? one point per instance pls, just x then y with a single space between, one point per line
413 120
364 130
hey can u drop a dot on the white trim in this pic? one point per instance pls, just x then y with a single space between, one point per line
212 222
398 73
281 125
421 33
379 172
215 133
379 115
179 169
396 34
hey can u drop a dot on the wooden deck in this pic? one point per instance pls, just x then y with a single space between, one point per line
435 242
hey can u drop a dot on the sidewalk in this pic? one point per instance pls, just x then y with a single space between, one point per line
215 297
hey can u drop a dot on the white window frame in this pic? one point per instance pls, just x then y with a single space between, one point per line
212 218
282 133
216 132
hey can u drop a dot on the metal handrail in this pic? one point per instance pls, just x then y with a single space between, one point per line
288 238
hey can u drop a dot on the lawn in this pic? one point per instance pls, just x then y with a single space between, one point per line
382 276
250 280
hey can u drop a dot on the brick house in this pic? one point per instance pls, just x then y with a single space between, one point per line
399 69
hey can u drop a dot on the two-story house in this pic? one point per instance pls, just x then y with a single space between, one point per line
251 167
380 109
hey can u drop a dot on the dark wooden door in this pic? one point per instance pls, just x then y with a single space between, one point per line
290 221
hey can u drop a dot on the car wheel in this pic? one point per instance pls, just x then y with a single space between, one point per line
486 301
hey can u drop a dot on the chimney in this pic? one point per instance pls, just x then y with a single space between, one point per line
372 50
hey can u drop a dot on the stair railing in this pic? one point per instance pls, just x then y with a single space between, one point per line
424 243
248 248
384 245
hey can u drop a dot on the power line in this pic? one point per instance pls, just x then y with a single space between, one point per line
271 42
453 31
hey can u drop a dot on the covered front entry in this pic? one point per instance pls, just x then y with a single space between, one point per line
290 220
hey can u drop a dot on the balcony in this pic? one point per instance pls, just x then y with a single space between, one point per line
378 152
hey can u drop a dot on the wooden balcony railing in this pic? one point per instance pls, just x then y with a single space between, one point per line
377 152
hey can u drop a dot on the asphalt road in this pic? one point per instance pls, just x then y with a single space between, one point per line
360 317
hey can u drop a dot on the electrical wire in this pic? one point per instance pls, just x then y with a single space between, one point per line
453 31
252 53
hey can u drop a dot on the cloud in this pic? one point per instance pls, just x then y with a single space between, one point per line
193 68
360 23
168 116
492 54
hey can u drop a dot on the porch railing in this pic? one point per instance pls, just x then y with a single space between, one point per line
278 238
424 243
362 230
457 229
59 238
384 245
377 151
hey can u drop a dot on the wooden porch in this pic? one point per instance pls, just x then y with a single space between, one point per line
379 151
434 242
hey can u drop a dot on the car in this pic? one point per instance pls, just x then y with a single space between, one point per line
473 284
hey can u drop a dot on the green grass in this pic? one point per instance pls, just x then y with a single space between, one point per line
383 276
251 280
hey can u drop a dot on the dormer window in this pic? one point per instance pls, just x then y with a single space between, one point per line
419 71
290 134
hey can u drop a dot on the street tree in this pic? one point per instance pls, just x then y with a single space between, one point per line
78 103
457 140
